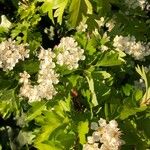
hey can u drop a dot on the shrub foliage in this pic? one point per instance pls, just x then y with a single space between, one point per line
67 63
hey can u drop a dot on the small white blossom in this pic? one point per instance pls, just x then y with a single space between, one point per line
94 126
25 90
82 27
69 53
11 53
107 134
113 124
47 78
101 22
104 48
102 122
91 146
128 44
24 77
96 136
110 25
90 139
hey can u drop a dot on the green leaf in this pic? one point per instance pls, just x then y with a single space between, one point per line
54 145
91 22
91 87
98 85
110 59
8 103
89 7
103 7
73 79
34 39
51 125
36 110
21 28
60 10
67 139
78 9
145 124
47 128
48 7
31 66
131 136
127 89
57 5
91 45
4 84
129 110
102 89
138 94
146 98
62 137
3 33
83 130
47 146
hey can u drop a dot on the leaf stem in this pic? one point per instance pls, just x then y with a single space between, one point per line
106 109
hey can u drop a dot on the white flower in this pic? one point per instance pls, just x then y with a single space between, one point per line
69 53
24 77
82 27
34 94
96 136
110 25
113 124
25 90
101 22
11 53
1 64
47 78
108 134
104 48
91 146
90 139
94 126
104 147
102 122
128 44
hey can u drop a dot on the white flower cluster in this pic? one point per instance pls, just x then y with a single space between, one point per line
136 3
82 27
106 134
69 53
47 78
110 25
101 22
128 44
11 53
